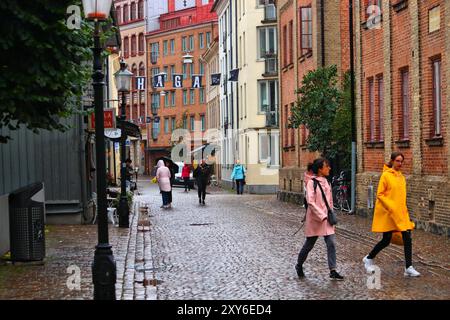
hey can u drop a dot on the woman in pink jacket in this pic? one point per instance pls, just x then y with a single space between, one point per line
316 224
163 177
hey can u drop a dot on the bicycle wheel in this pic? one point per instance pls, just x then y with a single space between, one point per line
343 201
335 190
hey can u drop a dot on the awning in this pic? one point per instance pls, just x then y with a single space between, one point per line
131 129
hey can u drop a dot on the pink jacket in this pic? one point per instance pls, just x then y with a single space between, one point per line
163 177
316 223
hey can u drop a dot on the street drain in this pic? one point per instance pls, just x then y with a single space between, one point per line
200 224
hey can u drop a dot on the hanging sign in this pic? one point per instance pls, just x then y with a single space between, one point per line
158 81
177 81
140 83
196 81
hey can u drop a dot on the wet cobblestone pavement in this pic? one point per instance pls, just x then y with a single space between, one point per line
244 248
235 247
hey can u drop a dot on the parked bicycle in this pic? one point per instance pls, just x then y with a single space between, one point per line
341 193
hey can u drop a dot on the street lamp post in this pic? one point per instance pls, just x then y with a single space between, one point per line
123 77
104 265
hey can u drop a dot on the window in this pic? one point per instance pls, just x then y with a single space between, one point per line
202 119
166 125
165 48
141 69
172 46
192 96
156 101
191 43
202 95
155 131
191 70
434 19
405 104
202 68
141 44
184 44
133 11
155 71
141 9
184 71
185 122
126 47
154 48
437 97
173 98
167 100
292 131
201 40
172 71
381 108
119 15
173 123
268 96
185 99
208 38
166 71
305 30
286 128
267 41
268 148
371 96
133 45
126 13
192 123
134 71
291 41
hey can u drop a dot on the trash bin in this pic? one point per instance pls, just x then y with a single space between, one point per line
27 223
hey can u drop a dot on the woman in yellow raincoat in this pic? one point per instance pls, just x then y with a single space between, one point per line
391 214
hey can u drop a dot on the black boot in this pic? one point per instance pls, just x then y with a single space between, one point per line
299 270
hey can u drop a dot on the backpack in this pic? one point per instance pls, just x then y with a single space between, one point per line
305 203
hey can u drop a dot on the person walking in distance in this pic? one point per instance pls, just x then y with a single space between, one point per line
185 174
172 180
391 214
201 174
163 178
316 224
238 175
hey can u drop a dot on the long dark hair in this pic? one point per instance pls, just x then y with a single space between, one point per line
394 155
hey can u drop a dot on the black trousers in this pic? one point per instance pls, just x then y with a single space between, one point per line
201 185
186 184
407 243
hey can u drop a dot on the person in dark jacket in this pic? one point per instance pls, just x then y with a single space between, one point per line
201 174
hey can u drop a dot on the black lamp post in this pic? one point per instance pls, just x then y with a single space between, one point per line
353 107
123 83
104 266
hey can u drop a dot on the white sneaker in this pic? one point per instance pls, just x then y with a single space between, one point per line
411 272
369 265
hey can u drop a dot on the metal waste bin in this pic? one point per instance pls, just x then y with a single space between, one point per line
27 223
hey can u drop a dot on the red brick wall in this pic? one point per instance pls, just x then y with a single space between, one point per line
373 66
433 45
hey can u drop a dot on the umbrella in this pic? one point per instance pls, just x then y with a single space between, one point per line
171 164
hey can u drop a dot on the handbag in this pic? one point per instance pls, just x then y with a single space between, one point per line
331 215
397 238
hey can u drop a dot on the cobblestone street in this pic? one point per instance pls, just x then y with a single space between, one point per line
244 248
235 247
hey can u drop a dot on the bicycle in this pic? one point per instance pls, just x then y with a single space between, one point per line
340 191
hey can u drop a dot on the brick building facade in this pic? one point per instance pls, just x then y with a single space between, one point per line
306 42
402 99
181 32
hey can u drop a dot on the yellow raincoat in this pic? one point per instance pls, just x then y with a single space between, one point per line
391 213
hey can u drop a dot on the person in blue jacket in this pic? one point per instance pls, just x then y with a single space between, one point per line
238 175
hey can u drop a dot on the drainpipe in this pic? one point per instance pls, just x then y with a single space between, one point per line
322 30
